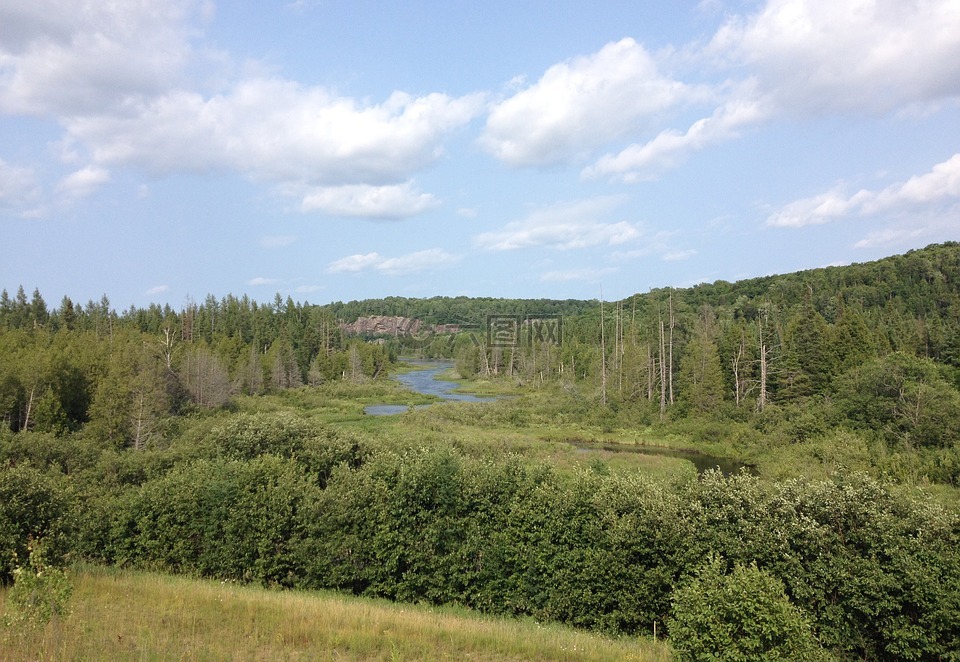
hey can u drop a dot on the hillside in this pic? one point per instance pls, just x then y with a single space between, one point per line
123 615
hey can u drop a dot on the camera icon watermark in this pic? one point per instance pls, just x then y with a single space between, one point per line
524 330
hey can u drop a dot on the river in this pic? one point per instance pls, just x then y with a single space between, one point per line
427 380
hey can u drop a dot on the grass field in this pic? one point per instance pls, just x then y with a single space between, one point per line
126 615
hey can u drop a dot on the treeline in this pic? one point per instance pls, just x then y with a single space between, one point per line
843 564
120 377
465 311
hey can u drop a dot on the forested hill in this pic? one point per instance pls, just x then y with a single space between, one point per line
921 283
464 311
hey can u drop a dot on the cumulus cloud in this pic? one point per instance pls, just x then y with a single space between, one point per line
582 104
565 225
670 147
260 280
919 193
122 79
277 130
157 289
71 58
82 183
426 260
847 55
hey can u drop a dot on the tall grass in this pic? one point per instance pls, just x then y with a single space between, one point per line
125 615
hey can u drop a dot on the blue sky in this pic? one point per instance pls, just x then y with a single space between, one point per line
337 150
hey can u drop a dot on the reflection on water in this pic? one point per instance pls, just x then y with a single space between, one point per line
425 380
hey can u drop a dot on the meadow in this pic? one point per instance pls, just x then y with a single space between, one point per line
132 615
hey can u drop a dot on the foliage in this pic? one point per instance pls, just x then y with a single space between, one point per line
743 615
317 448
33 506
40 592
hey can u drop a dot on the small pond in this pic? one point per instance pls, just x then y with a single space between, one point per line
426 379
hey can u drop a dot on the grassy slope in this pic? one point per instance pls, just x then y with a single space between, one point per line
124 615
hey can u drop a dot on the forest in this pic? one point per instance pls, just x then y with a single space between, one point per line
226 439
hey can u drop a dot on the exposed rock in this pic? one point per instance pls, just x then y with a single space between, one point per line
382 325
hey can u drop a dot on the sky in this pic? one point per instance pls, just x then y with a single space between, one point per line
331 150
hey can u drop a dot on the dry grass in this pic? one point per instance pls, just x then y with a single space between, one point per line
123 615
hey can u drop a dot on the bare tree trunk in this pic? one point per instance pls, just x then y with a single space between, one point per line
651 373
26 416
735 364
663 373
670 366
762 398
603 356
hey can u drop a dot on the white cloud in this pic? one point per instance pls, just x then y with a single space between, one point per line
260 280
669 148
307 289
354 263
921 193
362 200
809 57
123 81
942 182
71 58
582 104
158 289
277 130
426 260
82 183
565 225
847 55
888 236
339 157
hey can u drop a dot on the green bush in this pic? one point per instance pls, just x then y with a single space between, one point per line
223 518
743 615
317 447
33 506
40 592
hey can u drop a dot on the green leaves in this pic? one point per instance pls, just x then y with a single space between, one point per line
743 615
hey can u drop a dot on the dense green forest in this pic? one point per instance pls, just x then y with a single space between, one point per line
227 439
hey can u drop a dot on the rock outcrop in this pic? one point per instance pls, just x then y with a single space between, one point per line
382 325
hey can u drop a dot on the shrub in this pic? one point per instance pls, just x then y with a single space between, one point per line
744 615
32 505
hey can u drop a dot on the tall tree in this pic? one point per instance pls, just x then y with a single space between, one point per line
701 376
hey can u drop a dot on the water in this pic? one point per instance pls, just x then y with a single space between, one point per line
701 461
426 380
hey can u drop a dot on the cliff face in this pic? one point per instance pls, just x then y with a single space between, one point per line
381 325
